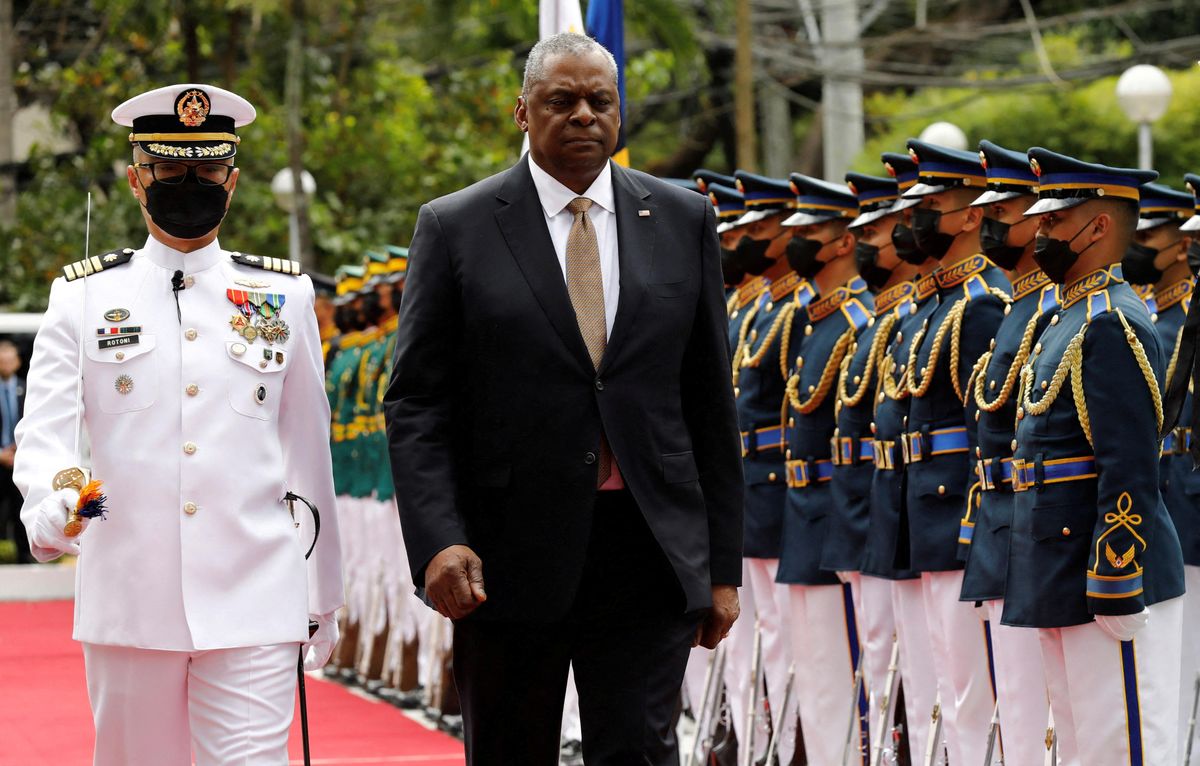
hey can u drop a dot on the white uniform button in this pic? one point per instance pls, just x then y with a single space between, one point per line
192 389
189 448
190 508
191 333
189 280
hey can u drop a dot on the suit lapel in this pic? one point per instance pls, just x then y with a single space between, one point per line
635 251
523 225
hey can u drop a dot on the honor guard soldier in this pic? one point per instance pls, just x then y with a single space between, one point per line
1007 239
916 660
824 632
196 595
1158 257
852 445
939 438
759 388
1095 563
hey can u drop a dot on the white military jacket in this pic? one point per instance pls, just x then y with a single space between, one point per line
197 431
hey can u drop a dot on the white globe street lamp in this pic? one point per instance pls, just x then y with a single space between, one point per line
1144 92
945 134
283 188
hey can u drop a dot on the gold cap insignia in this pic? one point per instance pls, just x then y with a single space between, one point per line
193 107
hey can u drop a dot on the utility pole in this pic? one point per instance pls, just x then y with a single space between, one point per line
295 136
8 114
776 129
743 63
841 87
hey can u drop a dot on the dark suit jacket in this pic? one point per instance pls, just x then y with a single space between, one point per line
494 411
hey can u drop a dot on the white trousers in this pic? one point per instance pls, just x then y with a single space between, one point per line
916 662
233 706
824 647
877 627
1191 660
771 608
1021 692
1120 697
964 682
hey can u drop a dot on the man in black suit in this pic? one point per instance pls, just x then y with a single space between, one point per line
562 431
12 404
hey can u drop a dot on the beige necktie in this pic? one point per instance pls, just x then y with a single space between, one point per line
585 284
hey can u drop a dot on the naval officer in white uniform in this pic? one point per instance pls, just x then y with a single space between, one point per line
203 399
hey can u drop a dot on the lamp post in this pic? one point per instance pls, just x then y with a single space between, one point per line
283 189
945 134
1143 91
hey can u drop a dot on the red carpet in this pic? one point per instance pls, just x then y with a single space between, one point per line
45 718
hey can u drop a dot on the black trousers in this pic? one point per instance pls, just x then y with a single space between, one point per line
11 527
627 637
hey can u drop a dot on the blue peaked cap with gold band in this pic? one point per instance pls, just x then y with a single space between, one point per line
875 196
190 121
1159 204
1064 182
1192 181
764 196
940 169
819 201
1008 174
706 178
904 170
729 204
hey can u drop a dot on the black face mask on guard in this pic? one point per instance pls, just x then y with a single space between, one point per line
866 257
752 254
1055 256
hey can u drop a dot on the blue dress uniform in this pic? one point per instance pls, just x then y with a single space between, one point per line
824 631
1091 535
938 440
759 391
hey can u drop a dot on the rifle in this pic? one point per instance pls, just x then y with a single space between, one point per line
777 733
885 706
747 754
933 747
708 711
993 734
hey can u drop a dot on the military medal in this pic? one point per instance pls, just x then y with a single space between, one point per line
253 284
116 315
259 315
123 384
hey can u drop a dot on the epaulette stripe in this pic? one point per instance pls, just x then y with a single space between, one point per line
1095 308
94 264
856 313
975 287
1049 300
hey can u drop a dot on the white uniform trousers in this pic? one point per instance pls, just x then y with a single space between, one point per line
1120 697
916 662
234 706
877 628
825 647
960 644
772 612
1191 661
1021 692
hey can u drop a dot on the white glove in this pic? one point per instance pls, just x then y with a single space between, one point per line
318 649
46 532
1123 627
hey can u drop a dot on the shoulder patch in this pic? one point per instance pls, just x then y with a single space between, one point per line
267 263
97 263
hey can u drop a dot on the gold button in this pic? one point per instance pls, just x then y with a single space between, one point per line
189 281
871 322
753 335
1045 385
941 489
1013 444
770 305
992 385
899 337
811 389
190 508
1054 319
192 389
1020 413
881 396
1037 349
912 308
772 476
1154 317
903 367
737 392
1066 531
791 422
857 379
872 427
978 452
808 329
189 448
788 454
992 344
976 416
1007 310
734 315
190 334
923 371
120 355
799 362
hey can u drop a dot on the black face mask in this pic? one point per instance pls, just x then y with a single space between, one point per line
752 254
866 257
187 210
925 223
993 240
906 245
802 256
731 268
1193 256
1138 265
1055 256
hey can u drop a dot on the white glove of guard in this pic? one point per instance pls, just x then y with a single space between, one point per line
47 529
318 649
1123 627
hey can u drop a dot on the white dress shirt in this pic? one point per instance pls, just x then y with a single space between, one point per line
603 214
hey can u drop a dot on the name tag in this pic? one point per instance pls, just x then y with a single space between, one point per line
120 340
